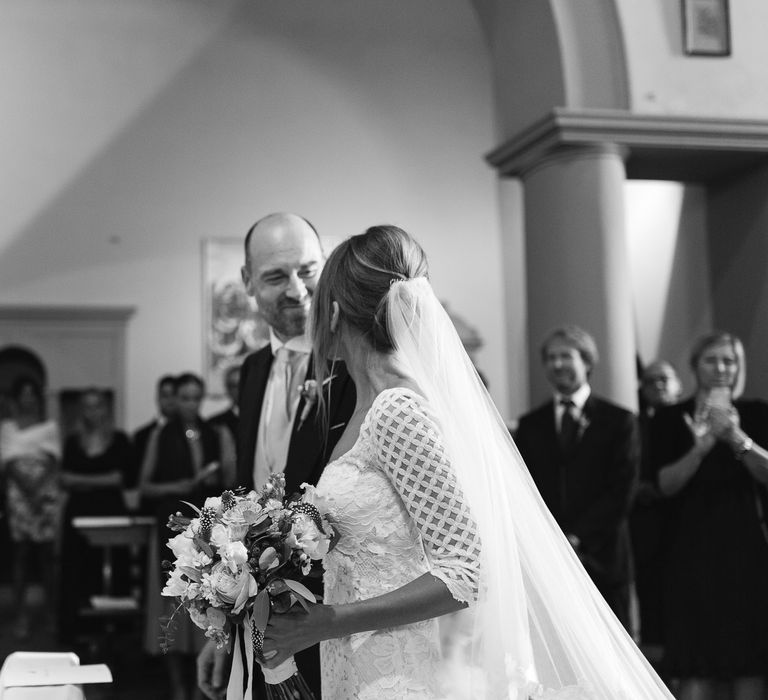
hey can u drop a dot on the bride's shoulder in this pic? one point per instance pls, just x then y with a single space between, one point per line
399 394
401 402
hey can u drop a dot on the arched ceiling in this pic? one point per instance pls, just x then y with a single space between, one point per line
552 54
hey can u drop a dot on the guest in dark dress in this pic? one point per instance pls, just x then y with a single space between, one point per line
659 386
181 464
97 462
712 465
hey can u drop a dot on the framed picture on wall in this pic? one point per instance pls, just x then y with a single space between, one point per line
232 326
706 28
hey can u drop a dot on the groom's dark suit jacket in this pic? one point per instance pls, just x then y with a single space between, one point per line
308 452
309 449
589 489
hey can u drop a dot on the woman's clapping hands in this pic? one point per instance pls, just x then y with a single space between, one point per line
703 437
723 422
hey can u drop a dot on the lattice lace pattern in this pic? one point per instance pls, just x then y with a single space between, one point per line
410 452
400 513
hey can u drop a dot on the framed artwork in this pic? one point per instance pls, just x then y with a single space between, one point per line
706 28
232 326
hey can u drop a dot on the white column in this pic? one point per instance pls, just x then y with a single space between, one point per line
511 209
576 263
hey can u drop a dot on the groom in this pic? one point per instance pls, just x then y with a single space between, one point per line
278 427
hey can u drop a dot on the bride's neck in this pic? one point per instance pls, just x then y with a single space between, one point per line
371 370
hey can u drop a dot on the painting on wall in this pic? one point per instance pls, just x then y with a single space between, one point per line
706 28
232 325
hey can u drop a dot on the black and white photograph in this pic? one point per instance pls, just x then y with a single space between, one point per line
384 350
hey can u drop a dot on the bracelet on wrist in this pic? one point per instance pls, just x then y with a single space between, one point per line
743 448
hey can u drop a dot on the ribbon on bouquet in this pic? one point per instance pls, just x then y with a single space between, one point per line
239 671
242 674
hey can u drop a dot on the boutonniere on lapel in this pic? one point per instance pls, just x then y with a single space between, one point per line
308 391
582 424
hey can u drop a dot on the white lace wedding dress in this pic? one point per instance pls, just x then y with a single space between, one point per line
400 513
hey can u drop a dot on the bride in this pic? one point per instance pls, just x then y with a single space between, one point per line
450 578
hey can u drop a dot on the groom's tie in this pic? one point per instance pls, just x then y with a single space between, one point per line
283 369
282 399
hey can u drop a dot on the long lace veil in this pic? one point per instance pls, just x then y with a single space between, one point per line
540 628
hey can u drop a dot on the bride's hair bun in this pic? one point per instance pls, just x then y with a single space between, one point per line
358 276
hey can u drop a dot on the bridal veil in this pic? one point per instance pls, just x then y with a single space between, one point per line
540 628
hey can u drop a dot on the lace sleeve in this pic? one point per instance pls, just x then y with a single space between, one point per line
410 452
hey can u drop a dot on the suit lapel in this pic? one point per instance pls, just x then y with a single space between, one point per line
251 400
549 429
308 443
308 446
590 413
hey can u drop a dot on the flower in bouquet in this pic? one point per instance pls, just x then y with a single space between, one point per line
240 558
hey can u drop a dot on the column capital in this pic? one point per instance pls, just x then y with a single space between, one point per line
655 146
569 153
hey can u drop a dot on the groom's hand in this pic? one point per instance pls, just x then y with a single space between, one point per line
213 671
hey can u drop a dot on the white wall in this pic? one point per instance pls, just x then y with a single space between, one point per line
669 269
132 131
664 80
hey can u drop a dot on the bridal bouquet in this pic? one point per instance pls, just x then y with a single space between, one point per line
241 558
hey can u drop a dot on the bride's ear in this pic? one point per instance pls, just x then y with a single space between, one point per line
334 316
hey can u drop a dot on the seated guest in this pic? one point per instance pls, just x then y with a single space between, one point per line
181 464
97 461
227 423
583 453
659 386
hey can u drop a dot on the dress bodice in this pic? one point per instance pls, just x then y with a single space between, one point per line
399 512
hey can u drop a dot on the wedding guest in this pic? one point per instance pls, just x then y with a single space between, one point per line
659 386
30 450
165 400
583 453
98 459
227 422
709 454
181 464
279 431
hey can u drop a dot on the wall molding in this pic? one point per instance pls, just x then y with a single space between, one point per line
79 346
37 313
657 147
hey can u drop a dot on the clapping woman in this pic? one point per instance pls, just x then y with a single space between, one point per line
712 466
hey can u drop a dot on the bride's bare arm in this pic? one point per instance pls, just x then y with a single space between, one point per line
411 452
421 599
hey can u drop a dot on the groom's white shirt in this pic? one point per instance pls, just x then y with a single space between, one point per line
579 398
